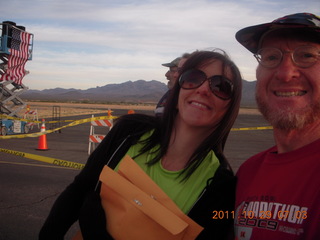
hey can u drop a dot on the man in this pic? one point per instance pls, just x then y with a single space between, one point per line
173 68
183 59
278 190
171 77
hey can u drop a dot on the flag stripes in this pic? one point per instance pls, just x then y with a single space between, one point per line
19 54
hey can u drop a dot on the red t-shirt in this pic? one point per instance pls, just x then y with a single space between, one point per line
278 195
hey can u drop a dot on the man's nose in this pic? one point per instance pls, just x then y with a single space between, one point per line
287 69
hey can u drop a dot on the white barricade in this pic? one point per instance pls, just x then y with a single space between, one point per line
31 115
96 138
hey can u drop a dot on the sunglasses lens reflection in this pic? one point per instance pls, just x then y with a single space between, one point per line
192 79
219 85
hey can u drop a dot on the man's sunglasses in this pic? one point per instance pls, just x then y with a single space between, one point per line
220 86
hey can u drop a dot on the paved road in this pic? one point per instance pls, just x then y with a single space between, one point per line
28 187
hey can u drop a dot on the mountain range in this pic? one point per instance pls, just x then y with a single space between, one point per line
139 91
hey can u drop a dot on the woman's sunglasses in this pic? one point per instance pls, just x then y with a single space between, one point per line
220 86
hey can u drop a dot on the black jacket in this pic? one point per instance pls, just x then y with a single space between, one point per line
80 201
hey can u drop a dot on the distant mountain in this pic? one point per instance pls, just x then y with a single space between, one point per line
139 91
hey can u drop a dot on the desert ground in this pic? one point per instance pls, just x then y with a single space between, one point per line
45 109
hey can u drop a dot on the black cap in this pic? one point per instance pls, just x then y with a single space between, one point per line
174 63
250 37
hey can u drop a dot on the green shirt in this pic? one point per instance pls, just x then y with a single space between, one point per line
183 193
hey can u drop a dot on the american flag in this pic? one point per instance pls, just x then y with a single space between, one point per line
19 54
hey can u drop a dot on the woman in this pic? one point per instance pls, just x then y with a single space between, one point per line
185 146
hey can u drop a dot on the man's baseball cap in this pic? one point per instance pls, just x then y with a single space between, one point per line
250 37
174 63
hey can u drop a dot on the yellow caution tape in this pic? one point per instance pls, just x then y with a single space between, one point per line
74 123
54 161
34 121
251 128
81 121
2 116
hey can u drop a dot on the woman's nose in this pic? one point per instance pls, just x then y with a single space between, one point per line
204 88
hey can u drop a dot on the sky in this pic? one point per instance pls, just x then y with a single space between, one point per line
85 44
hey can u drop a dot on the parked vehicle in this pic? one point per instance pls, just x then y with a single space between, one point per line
9 126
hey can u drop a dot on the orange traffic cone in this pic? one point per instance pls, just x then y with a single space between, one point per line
109 113
42 144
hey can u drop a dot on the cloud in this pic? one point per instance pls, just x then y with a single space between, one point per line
93 43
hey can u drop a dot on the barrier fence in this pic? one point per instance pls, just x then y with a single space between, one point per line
73 123
106 121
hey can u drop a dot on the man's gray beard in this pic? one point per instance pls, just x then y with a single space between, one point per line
287 118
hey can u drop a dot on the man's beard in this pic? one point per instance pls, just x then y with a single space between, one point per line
287 118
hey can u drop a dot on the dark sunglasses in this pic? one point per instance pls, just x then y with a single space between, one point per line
220 86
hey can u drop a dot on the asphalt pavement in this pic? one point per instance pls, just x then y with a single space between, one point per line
29 187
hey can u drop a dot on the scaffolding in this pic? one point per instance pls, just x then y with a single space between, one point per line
10 102
16 46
